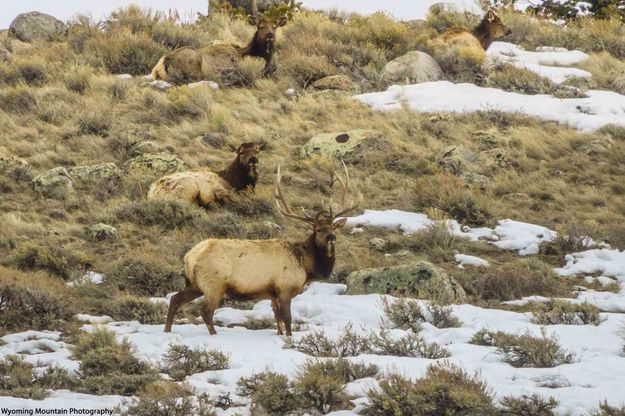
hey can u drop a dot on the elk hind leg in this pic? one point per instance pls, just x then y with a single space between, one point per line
208 310
278 315
179 299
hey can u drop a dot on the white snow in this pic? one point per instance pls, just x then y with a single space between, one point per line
526 238
467 260
541 62
40 348
89 277
597 110
610 263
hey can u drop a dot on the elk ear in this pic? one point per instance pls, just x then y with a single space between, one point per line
260 146
282 21
252 20
339 224
491 16
238 150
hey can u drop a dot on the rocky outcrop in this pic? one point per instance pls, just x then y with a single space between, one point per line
33 26
347 145
159 163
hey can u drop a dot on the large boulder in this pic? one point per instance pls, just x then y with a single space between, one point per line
421 279
411 68
55 183
103 172
159 163
346 145
32 26
469 165
336 83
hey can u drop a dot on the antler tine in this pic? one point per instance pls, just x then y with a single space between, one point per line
346 185
285 209
254 8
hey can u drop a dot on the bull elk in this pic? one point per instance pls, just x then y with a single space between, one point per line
263 269
205 187
205 63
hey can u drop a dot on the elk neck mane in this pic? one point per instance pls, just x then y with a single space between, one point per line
258 48
482 33
315 261
239 176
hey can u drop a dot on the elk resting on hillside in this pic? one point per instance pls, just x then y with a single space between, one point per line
262 269
205 187
211 62
480 38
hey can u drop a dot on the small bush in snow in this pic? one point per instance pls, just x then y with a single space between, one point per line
348 344
557 312
407 314
318 390
166 398
181 361
442 316
519 80
409 345
131 308
484 337
528 350
270 393
21 379
533 405
606 410
445 390
340 369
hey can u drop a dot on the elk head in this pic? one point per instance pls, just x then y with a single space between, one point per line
266 28
496 28
325 223
247 157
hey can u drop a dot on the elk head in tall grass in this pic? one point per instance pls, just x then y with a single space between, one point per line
264 269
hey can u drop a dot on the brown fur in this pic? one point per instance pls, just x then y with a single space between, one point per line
490 28
205 187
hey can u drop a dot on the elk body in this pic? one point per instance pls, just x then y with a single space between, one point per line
205 187
261 269
211 62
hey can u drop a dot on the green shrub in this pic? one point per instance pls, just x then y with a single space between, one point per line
21 379
533 405
445 390
23 308
54 259
527 350
146 278
167 399
181 361
519 80
557 312
270 392
131 308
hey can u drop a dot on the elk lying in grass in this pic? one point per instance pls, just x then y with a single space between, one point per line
262 269
210 63
205 187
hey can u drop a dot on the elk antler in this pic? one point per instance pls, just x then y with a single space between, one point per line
254 8
283 205
345 185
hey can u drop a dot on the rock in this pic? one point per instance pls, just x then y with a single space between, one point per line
347 145
33 26
290 92
413 67
103 172
212 140
597 147
160 85
16 46
477 179
160 163
101 232
55 183
8 161
247 4
378 244
489 138
124 77
336 82
457 160
5 56
420 279
496 158
210 84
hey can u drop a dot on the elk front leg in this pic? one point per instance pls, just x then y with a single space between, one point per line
278 315
208 310
285 311
179 299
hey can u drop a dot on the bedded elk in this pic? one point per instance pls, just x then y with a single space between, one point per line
263 269
205 187
476 42
192 64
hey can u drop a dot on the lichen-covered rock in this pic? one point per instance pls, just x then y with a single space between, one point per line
160 163
103 172
348 145
32 26
5 56
378 244
8 161
337 83
101 232
55 183
457 160
411 68
421 279
598 147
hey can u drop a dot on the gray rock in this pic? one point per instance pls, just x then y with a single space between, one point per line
33 26
159 163
207 84
103 172
413 67
420 279
160 85
337 83
5 56
8 161
457 160
101 232
347 145
56 183
378 244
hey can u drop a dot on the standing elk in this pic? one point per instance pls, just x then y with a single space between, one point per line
262 269
205 187
192 64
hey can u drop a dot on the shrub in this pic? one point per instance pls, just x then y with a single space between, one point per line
533 405
319 391
95 123
21 379
441 316
167 214
445 390
270 392
18 99
484 337
54 259
528 350
557 312
131 308
348 344
166 398
452 196
110 367
519 80
23 308
78 79
606 410
409 345
181 361
340 369
32 72
407 314
145 278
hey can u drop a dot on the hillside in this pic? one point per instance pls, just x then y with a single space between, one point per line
504 181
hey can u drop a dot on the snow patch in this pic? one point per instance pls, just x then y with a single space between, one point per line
466 260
